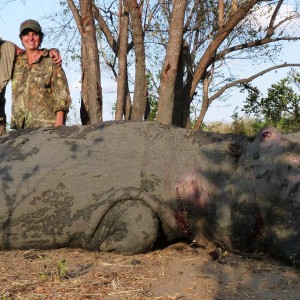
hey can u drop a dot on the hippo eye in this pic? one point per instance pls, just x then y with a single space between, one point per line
266 134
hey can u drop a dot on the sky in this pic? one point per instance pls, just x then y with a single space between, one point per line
15 12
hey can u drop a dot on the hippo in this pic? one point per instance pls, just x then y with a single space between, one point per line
259 210
128 187
267 182
108 187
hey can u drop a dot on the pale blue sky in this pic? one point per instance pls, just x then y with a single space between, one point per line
13 14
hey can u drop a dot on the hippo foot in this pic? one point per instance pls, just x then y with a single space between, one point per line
129 227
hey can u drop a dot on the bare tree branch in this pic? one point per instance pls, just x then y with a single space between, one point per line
105 29
76 15
249 79
270 30
252 44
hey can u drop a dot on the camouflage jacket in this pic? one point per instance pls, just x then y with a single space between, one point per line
38 92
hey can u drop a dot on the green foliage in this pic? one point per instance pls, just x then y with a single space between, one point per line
244 126
62 268
59 271
43 275
152 98
281 106
153 103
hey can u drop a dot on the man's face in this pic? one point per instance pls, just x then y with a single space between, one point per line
30 39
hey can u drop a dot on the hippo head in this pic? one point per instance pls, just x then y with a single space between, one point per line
267 184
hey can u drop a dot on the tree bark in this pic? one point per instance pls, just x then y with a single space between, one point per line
180 108
221 14
234 6
140 86
204 105
170 68
91 85
122 82
84 101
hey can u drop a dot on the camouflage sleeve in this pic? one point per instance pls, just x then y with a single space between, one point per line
61 91
7 58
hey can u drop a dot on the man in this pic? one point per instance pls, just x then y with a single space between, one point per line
8 52
7 57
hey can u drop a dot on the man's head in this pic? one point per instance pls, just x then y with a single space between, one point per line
31 25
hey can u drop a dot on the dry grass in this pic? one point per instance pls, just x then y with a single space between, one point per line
242 126
178 272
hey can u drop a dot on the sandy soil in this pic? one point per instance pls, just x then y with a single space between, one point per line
176 272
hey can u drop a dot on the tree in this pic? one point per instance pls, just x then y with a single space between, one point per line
210 36
281 105
170 68
91 104
140 86
203 58
122 79
238 26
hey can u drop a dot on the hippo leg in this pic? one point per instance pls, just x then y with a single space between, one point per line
129 227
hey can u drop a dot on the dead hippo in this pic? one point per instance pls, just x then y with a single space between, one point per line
125 186
109 187
265 187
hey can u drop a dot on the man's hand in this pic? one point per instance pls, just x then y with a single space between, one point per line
19 50
59 118
56 58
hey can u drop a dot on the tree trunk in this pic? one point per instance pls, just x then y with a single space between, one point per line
140 86
91 84
84 105
181 107
170 69
128 107
178 93
91 63
122 82
204 105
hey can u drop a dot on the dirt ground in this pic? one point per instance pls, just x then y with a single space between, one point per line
176 272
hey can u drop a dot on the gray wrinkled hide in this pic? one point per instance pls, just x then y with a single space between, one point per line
266 185
124 186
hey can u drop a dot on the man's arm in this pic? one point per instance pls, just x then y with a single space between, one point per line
53 53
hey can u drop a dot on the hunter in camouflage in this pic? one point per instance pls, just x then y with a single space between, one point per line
8 52
38 91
